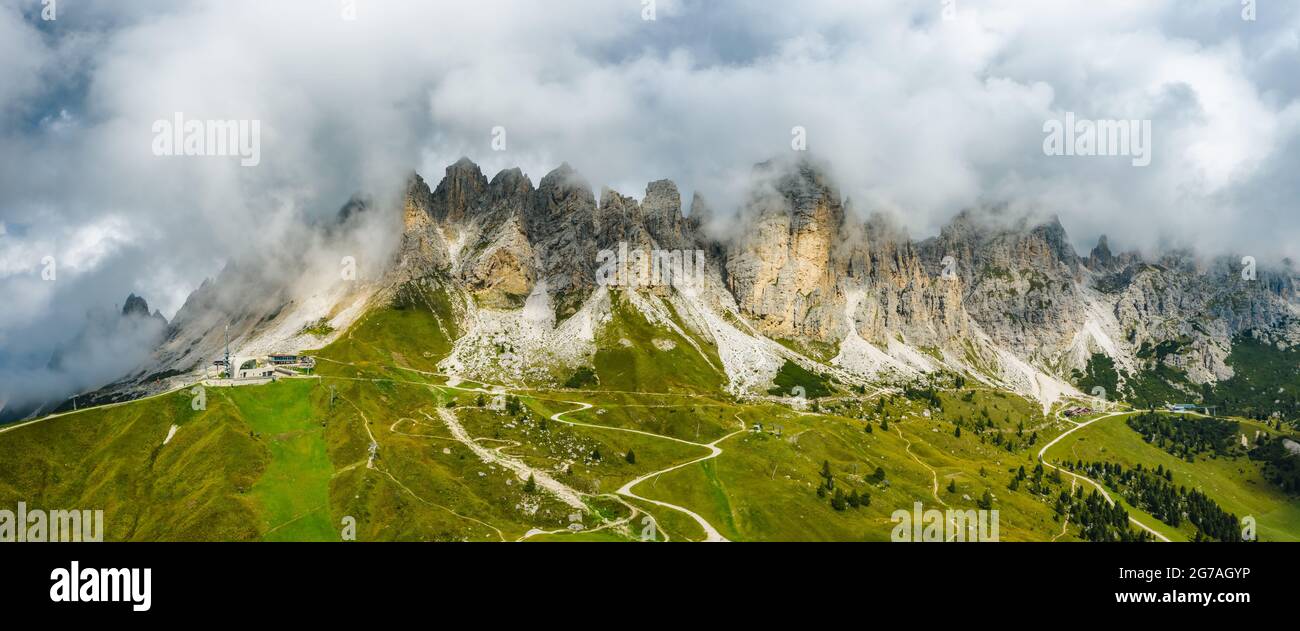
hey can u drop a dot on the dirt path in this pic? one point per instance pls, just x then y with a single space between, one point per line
365 424
711 533
392 429
633 512
1066 524
934 480
1094 483
934 475
588 406
10 428
370 464
499 457
523 471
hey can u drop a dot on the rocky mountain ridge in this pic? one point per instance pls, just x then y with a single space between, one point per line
995 296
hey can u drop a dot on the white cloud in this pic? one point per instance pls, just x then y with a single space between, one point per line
917 115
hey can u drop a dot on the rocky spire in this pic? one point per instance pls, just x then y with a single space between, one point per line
1058 242
619 220
511 187
421 250
662 208
463 191
560 225
1101 256
135 306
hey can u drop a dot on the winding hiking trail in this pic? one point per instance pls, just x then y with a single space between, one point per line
934 482
573 497
1066 524
1094 483
565 493
934 475
711 533
370 464
523 471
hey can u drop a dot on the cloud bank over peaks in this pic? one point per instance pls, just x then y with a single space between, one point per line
917 115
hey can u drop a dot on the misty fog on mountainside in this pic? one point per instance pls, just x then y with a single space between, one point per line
900 249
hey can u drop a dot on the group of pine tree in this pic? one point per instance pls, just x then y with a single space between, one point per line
1218 438
1098 519
840 500
1186 438
1154 491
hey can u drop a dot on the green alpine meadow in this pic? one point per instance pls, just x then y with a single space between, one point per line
393 272
495 383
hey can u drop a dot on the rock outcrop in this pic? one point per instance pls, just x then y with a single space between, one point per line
780 268
998 295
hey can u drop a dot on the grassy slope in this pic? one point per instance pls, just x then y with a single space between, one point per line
437 495
793 379
627 358
763 487
194 488
1235 483
692 419
290 460
424 486
292 495
552 445
415 331
259 461
1265 380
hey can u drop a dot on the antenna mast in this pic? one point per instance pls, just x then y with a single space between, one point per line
230 371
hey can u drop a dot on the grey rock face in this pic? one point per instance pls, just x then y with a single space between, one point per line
497 262
619 219
1020 279
780 268
799 264
421 251
903 297
662 208
1197 309
561 224
135 306
461 193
